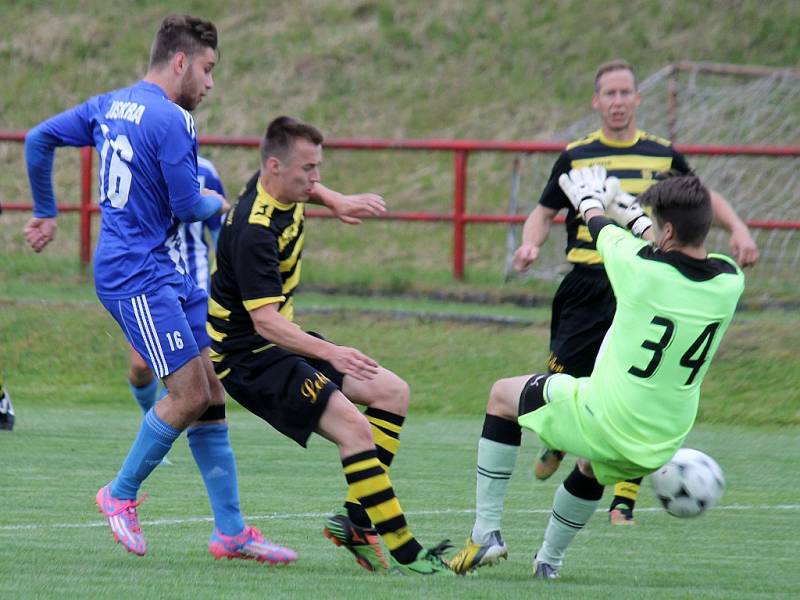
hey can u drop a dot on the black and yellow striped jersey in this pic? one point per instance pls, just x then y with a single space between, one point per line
258 263
635 162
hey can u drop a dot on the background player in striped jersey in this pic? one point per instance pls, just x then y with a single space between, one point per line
196 245
147 145
296 381
674 304
584 304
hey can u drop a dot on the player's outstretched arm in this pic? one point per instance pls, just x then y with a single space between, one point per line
348 208
272 325
743 246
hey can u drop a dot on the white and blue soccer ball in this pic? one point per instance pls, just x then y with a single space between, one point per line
689 484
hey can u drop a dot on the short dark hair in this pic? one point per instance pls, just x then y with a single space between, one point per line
613 65
280 136
685 202
182 33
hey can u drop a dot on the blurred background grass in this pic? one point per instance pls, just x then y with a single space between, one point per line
372 68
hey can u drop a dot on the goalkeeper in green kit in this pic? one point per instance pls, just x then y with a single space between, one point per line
674 303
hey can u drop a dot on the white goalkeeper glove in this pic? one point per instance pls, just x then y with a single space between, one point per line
625 210
589 188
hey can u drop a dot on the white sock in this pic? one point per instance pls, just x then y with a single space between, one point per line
495 465
570 514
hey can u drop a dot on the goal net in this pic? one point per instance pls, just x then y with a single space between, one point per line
701 103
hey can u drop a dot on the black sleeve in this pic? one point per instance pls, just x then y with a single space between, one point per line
255 263
679 162
553 196
595 224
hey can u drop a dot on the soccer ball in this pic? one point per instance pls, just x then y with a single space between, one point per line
689 483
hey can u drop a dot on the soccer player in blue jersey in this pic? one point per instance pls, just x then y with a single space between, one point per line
196 253
148 184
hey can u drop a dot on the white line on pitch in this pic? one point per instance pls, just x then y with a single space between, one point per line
319 515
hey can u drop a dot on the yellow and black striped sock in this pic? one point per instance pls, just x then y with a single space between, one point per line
626 492
369 483
386 428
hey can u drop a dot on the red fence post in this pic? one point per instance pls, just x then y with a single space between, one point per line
459 204
86 205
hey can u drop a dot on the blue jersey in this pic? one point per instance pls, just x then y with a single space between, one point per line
147 178
194 245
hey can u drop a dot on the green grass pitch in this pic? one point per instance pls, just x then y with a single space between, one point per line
54 543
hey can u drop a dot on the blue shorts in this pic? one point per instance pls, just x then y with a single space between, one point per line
166 327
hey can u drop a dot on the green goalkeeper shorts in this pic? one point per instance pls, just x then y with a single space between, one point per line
565 423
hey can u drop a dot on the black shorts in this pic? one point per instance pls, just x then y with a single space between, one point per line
531 397
288 391
583 309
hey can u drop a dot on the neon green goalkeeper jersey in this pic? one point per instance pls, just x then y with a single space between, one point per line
672 311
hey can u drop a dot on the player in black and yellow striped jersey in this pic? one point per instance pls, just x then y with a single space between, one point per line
297 381
584 304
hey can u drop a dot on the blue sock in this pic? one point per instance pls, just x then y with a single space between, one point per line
151 445
146 395
213 454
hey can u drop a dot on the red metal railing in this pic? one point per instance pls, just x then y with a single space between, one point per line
461 150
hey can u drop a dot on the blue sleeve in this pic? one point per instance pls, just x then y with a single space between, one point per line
70 128
178 160
40 148
210 179
213 183
214 223
215 234
191 206
73 127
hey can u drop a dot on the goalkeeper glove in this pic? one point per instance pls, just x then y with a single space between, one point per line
626 211
588 188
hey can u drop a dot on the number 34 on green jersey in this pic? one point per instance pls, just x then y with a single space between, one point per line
693 358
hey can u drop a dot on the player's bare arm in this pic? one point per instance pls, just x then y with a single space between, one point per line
348 207
534 234
743 246
272 325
